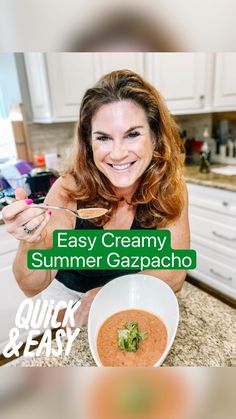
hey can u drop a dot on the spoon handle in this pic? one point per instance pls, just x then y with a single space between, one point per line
49 207
46 207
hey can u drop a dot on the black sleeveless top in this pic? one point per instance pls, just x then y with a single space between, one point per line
84 280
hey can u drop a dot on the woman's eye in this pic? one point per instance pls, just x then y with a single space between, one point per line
103 138
133 134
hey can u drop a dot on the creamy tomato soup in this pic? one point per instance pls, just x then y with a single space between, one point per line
143 393
150 348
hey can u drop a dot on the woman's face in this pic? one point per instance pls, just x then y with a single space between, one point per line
121 143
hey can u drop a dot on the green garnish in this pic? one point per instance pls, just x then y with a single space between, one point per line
129 337
135 397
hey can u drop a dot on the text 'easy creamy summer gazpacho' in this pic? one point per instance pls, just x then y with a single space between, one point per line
131 338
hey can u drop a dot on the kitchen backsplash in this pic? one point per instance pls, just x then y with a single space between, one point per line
58 137
194 124
48 138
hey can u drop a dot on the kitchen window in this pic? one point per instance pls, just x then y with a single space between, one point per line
7 142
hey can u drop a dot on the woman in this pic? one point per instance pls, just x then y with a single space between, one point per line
127 158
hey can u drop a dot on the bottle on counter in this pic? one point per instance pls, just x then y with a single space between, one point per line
230 146
39 159
210 141
205 158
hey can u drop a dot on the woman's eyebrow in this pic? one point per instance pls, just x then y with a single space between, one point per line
126 132
101 133
132 128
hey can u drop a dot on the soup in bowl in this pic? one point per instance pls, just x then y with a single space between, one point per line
133 321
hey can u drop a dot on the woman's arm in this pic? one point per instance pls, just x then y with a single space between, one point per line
180 239
30 281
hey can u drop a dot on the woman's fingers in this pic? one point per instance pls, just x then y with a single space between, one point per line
34 229
20 194
25 222
82 313
29 215
80 317
11 211
35 222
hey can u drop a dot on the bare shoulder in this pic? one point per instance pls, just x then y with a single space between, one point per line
68 181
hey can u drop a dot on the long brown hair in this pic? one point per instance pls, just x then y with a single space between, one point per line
158 199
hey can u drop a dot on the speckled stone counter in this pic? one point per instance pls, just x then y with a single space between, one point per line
206 336
193 175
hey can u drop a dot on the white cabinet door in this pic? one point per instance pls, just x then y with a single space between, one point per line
70 74
181 78
38 86
213 268
212 219
225 81
110 61
58 81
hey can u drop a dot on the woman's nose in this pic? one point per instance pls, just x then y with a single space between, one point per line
118 150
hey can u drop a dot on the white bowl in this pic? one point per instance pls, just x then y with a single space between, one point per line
136 291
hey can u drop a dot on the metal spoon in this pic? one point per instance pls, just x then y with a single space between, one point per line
83 213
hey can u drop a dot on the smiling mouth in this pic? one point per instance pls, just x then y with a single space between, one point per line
121 167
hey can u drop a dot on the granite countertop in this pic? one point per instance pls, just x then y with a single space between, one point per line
206 336
193 175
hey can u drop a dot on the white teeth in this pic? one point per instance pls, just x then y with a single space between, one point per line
121 166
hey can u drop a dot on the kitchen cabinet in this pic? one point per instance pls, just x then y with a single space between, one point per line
38 86
225 81
181 78
212 215
106 62
190 83
10 293
58 81
69 74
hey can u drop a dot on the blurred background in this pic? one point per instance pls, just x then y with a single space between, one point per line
94 393
134 25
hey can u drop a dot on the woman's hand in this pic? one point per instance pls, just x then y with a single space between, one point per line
81 315
25 223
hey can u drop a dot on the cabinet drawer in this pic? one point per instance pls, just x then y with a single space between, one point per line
222 287
217 232
216 270
214 199
213 216
215 247
220 268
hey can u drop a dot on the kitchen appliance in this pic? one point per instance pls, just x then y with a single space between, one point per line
36 184
39 182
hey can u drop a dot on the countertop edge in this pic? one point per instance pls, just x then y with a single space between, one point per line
209 183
